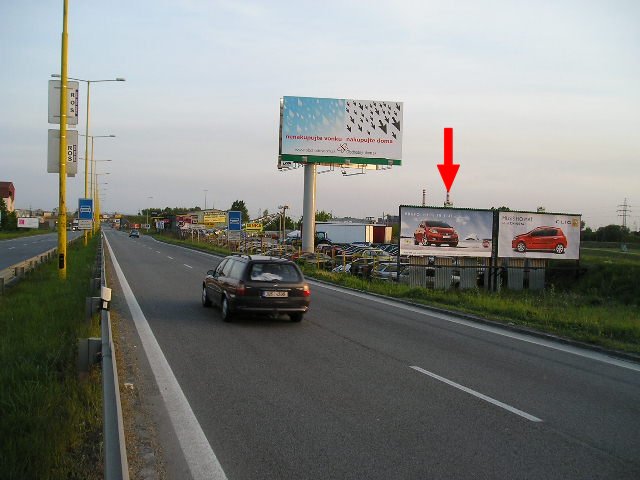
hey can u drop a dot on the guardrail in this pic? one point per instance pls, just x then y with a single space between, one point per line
17 271
116 466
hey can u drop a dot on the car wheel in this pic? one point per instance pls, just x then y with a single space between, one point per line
521 247
559 248
296 317
206 302
225 310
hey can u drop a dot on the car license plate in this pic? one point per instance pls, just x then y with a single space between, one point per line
272 294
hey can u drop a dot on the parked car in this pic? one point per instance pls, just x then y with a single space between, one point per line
134 233
551 239
257 284
386 271
433 232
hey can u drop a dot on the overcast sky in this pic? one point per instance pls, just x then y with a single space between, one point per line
543 98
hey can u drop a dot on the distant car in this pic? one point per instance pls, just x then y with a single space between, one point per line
433 232
256 284
386 271
550 239
134 233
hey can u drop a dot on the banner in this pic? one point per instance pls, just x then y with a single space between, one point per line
28 222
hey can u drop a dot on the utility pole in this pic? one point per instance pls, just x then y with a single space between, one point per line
624 211
424 197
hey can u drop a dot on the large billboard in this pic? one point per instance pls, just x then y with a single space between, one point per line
450 232
341 131
28 222
539 235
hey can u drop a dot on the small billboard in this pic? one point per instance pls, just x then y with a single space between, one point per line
340 131
253 227
53 152
72 101
211 219
437 231
539 235
28 222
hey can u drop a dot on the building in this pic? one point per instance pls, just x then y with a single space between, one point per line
8 194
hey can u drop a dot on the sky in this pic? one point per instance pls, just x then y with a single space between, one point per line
543 98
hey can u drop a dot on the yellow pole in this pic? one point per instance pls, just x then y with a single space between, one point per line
86 159
62 191
94 179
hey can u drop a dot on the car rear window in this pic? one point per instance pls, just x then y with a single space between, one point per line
274 272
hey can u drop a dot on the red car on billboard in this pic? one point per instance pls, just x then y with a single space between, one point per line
433 232
550 239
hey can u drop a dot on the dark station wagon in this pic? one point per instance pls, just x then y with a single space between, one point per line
256 284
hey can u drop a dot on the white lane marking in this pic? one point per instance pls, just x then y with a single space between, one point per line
479 395
170 258
202 461
188 266
157 251
11 248
596 356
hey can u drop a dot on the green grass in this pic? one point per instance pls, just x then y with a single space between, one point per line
50 420
599 307
25 232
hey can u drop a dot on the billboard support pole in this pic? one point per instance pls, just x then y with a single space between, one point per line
62 176
309 208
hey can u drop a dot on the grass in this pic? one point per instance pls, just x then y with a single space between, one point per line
599 307
50 419
25 232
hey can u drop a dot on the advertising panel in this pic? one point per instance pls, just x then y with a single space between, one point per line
253 227
450 232
539 235
211 219
28 222
183 221
72 101
341 131
53 152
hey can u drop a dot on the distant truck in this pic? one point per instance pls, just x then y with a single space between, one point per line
75 224
354 232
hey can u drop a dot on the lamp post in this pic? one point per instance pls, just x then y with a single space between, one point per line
205 198
283 221
148 198
86 132
96 199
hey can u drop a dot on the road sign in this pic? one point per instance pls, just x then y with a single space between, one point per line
85 224
235 221
72 102
85 208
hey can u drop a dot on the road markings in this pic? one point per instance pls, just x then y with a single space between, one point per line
188 266
11 248
170 258
202 461
478 395
157 251
596 356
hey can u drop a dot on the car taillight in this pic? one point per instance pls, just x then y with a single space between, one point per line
306 291
240 289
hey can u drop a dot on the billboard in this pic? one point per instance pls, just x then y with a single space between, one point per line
72 101
341 131
211 219
539 235
28 222
253 227
433 231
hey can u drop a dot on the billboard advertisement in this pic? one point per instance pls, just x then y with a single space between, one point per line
539 235
450 232
341 131
73 103
28 222
211 219
53 152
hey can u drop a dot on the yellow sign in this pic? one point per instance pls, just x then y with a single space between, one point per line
256 227
211 219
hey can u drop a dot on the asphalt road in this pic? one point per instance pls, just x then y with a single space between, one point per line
365 388
17 250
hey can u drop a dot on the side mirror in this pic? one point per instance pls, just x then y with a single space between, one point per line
211 273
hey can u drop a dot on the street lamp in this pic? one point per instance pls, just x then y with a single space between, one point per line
148 198
86 158
86 144
205 198
283 221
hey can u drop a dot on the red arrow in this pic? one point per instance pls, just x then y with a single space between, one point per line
448 169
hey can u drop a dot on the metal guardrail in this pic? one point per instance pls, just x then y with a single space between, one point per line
17 271
116 466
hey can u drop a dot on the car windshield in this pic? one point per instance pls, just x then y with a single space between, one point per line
438 224
274 272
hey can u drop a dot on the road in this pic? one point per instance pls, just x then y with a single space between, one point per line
17 250
368 388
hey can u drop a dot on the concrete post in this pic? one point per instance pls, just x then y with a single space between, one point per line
309 208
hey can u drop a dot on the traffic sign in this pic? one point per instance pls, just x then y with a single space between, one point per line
234 221
85 208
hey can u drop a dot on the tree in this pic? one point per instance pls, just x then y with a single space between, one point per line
323 216
3 214
239 205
